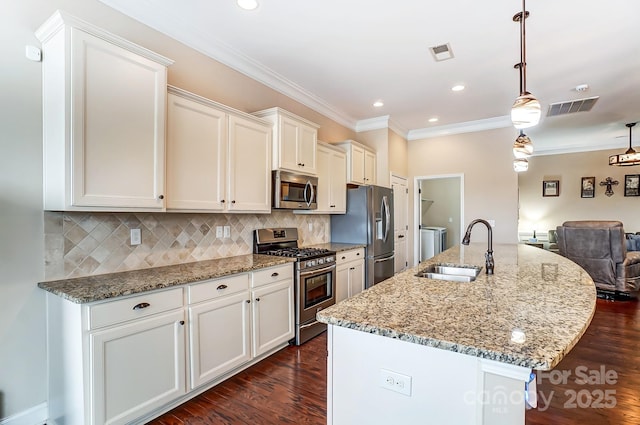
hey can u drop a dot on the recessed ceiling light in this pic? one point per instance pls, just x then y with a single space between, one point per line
247 4
378 103
434 119
459 87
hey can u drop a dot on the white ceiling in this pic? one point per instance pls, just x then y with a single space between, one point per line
339 56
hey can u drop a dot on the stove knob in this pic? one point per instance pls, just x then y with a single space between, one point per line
320 260
329 260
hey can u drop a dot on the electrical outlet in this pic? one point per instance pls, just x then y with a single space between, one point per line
227 231
218 231
136 238
395 382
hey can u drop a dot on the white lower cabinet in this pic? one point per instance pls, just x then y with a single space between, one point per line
124 360
349 273
137 367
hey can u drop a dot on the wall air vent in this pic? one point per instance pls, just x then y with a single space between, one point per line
579 105
441 52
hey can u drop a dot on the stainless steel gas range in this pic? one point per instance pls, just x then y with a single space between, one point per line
315 276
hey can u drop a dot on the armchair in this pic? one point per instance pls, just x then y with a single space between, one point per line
599 247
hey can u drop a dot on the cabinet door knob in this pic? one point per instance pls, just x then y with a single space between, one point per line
233 202
248 301
275 274
141 306
343 258
221 287
182 322
161 197
222 201
358 254
257 299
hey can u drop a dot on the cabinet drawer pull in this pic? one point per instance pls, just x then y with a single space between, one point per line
141 306
343 258
161 197
233 202
358 254
222 201
221 287
275 274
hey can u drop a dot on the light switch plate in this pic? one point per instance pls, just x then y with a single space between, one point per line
218 231
227 231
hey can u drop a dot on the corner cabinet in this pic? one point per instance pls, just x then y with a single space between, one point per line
104 102
349 273
294 141
361 163
218 159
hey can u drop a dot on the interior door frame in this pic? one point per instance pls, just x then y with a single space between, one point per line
417 209
406 238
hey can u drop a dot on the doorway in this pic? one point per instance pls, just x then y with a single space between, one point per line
439 214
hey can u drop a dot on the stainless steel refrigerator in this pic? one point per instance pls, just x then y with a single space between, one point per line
368 221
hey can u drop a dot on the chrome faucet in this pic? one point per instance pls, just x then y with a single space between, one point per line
489 255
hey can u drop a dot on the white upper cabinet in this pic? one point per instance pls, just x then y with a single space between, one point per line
361 163
218 159
294 141
332 181
104 102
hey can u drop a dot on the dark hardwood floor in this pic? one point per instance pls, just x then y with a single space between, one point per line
290 386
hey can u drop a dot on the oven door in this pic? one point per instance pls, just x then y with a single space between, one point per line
316 291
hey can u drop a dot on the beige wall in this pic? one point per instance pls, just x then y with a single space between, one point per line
543 213
440 205
398 146
22 306
490 184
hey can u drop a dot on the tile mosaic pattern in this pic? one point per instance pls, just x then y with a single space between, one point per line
85 244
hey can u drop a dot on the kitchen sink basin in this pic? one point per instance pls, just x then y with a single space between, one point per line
452 272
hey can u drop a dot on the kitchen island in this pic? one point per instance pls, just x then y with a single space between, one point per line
413 350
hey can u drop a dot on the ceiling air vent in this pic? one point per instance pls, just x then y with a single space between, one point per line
442 52
579 105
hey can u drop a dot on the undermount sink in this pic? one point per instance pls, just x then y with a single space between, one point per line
452 272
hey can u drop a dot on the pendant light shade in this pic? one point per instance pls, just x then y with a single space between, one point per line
520 165
522 147
630 157
526 110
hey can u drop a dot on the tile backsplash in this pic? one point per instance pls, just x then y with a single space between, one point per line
83 244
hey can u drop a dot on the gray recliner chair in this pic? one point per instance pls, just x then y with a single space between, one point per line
599 247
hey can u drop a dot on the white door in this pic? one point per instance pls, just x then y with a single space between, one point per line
273 319
137 367
400 221
220 336
249 184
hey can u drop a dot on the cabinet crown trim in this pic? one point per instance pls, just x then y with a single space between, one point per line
347 143
279 111
60 18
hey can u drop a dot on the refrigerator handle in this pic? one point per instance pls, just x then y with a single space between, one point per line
387 216
382 260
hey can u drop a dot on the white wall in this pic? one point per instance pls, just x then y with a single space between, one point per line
490 184
544 213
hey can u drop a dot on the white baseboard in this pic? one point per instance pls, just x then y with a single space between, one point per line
37 415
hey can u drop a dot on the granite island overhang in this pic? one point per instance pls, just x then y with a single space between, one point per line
476 336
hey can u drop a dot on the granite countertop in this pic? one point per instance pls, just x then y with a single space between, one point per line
545 295
337 247
100 287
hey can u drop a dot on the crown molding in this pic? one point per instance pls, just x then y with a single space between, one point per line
378 123
227 55
459 128
602 146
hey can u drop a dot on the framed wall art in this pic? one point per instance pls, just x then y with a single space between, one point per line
551 188
631 183
587 188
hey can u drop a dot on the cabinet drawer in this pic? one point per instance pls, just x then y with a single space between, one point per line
272 274
122 310
346 256
217 288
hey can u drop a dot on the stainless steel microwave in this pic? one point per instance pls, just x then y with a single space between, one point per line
293 191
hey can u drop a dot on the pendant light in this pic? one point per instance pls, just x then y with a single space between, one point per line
520 165
522 147
630 157
525 111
